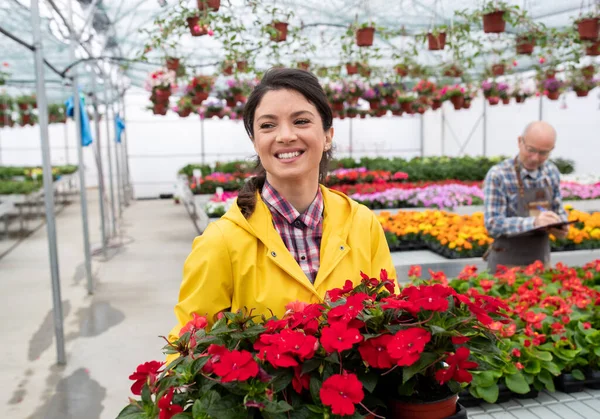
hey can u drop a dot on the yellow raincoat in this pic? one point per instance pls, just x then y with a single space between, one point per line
239 262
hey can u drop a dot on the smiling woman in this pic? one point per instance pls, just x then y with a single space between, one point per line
287 238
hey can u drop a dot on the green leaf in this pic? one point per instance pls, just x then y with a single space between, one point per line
484 379
185 415
542 355
132 411
426 359
517 383
533 367
578 375
369 381
198 364
146 394
282 380
406 389
546 378
437 330
551 367
228 407
280 407
315 387
597 351
310 365
489 394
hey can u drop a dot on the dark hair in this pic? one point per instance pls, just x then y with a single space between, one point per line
302 82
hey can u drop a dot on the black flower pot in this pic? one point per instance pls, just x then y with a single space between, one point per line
461 412
568 384
467 400
592 378
531 395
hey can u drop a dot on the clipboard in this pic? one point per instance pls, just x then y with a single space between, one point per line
544 228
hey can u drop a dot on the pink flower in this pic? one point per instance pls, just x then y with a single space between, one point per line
210 32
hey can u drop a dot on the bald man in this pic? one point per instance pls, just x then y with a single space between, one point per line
521 194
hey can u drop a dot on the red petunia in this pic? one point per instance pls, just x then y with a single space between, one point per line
374 352
145 373
275 325
307 319
458 365
300 381
389 284
346 312
197 323
366 279
407 345
337 337
415 271
236 366
459 340
438 277
297 343
428 297
341 392
166 409
337 293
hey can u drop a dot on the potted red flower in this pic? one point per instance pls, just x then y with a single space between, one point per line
367 350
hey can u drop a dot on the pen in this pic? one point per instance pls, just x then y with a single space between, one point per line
541 209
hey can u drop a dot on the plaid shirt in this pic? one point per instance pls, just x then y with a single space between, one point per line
301 233
501 194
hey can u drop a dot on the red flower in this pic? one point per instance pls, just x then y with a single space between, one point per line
428 297
407 345
527 343
300 381
557 328
296 306
468 271
236 365
374 352
337 337
389 284
349 311
459 340
415 271
457 369
587 325
297 343
168 410
519 366
396 304
516 352
145 373
268 348
438 277
307 319
273 326
341 393
368 280
486 284
336 293
197 323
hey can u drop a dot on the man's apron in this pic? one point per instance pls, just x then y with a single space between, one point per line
529 247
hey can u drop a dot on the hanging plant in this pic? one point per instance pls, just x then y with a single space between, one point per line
303 65
552 88
172 63
213 5
498 69
588 72
365 35
278 31
436 41
351 68
525 44
593 49
588 27
494 22
582 86
227 68
401 70
242 65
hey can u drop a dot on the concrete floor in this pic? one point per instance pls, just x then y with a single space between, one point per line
107 334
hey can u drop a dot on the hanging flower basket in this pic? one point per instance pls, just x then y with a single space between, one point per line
228 69
23 106
231 102
374 104
351 68
525 45
582 93
467 104
554 95
337 106
458 102
184 113
453 71
159 109
303 65
436 104
211 4
493 100
588 29
494 22
436 42
593 50
406 106
242 65
588 72
172 63
520 99
364 36
551 74
239 97
390 100
162 95
282 29
506 100
401 70
498 69
195 29
397 112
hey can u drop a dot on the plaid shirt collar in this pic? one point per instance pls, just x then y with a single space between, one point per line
532 174
312 217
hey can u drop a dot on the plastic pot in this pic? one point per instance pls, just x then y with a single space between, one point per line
436 42
568 384
494 22
364 36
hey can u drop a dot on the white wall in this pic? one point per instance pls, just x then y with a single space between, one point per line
160 145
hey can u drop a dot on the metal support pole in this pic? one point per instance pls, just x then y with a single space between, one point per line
350 145
443 132
48 187
484 127
82 188
126 150
121 158
422 121
101 186
109 157
541 114
202 154
117 164
1 150
66 141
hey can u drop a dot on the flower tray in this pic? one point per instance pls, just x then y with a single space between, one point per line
568 384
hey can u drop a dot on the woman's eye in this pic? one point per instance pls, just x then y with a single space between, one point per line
266 125
302 121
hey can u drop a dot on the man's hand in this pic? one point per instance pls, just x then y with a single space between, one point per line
545 218
560 233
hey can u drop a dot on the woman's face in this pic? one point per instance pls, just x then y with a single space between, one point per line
289 137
